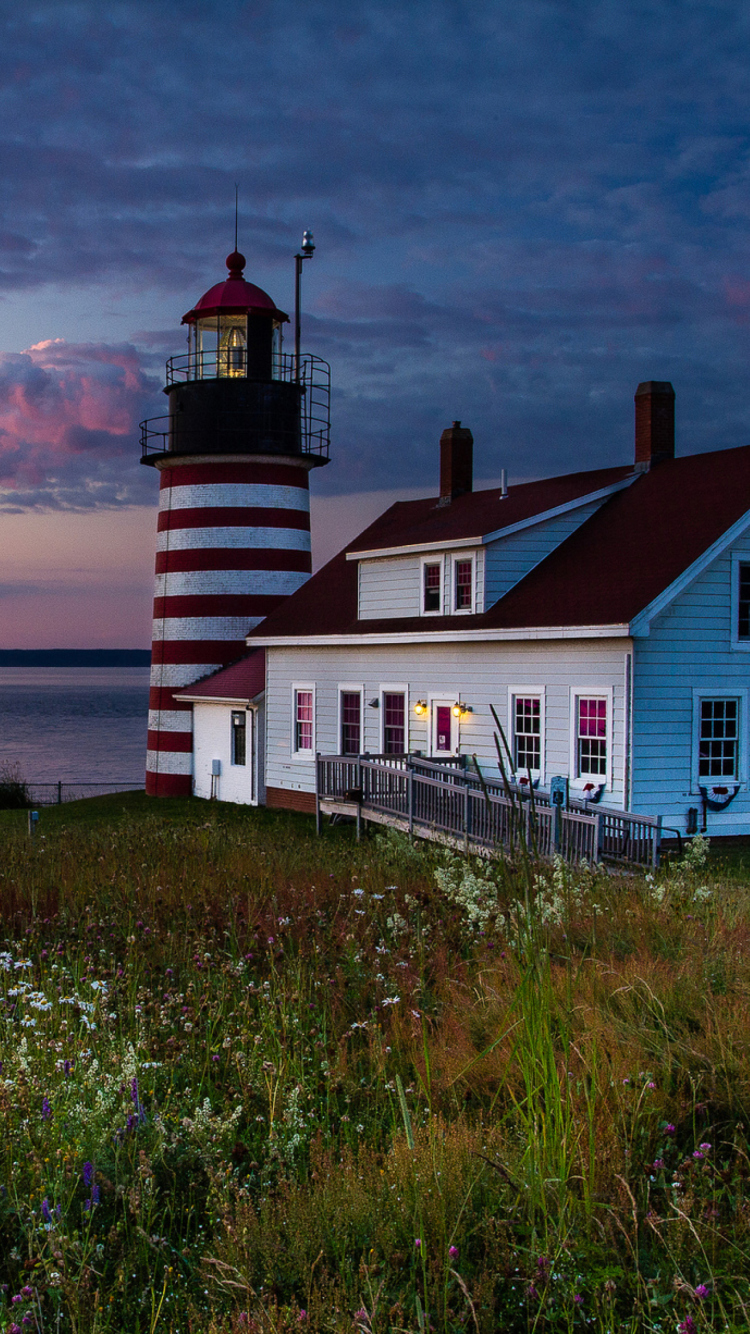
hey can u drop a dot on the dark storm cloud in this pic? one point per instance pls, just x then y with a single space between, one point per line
521 210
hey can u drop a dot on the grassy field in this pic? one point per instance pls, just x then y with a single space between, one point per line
257 1081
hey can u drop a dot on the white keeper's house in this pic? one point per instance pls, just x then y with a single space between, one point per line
605 616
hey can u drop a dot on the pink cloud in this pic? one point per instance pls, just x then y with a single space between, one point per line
69 415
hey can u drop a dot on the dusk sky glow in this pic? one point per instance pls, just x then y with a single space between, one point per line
521 210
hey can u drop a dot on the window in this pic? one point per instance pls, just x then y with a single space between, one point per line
463 585
239 737
743 602
591 738
527 733
303 720
394 722
432 581
351 722
717 745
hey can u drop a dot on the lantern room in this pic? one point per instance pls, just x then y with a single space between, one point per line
234 331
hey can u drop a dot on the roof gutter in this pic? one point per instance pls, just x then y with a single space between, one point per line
495 636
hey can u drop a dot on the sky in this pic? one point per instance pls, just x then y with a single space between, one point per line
522 209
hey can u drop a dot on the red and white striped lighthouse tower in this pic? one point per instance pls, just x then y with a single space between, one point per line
246 424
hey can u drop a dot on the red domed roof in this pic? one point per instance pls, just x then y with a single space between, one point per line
234 296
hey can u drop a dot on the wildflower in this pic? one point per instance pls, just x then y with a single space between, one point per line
302 1316
46 1109
46 1212
697 1154
688 1326
531 1291
28 1292
701 1292
657 1163
669 1129
453 1252
417 1243
578 1299
88 1173
705 1147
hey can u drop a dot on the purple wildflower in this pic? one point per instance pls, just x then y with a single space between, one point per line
29 1292
705 1147
657 1164
531 1291
46 1109
701 1292
15 1329
453 1252
15 1299
688 1326
417 1243
46 1211
697 1154
88 1173
578 1299
669 1129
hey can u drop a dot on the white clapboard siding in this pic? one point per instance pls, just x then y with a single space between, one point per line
509 559
688 649
478 674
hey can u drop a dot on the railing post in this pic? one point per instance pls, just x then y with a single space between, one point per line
466 819
656 843
410 794
59 793
598 836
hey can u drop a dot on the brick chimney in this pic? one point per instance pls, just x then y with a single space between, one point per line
456 462
654 423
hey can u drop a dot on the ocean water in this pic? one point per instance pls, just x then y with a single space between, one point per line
74 724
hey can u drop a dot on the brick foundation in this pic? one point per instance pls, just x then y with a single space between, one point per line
284 799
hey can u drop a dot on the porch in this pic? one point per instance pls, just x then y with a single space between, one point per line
450 804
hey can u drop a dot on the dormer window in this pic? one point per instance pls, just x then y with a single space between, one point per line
432 586
463 583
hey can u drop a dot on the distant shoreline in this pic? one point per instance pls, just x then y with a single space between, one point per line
75 657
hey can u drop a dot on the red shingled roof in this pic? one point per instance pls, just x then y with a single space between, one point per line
630 550
241 680
413 522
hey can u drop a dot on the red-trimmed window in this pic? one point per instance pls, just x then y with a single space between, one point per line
394 723
432 576
463 584
591 738
351 722
303 720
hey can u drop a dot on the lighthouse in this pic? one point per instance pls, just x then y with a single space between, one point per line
246 424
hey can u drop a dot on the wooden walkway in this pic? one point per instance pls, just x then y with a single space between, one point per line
449 804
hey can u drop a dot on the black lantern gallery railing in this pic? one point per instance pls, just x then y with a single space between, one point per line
216 409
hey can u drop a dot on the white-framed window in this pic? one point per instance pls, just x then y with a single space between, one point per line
239 736
394 720
432 585
463 583
350 719
303 721
444 726
740 603
720 744
526 710
591 736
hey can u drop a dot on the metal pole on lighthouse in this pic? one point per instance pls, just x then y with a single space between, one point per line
305 252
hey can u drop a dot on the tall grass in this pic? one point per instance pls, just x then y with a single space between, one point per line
255 1081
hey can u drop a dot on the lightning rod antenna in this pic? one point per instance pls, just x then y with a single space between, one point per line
236 206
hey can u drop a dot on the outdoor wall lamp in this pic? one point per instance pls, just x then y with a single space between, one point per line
459 709
420 707
373 703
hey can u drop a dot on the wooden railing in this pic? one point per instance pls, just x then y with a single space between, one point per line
443 800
